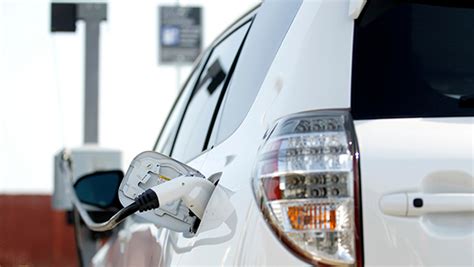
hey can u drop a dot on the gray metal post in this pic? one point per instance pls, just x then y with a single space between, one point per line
92 14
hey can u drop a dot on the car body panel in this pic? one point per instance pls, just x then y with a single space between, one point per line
416 155
134 245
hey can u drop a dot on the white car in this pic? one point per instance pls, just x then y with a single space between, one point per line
337 132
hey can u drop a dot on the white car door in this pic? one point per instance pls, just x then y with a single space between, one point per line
418 191
412 95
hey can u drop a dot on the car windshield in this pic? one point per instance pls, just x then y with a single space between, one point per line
413 59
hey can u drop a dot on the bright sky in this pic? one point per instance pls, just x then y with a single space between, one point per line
41 83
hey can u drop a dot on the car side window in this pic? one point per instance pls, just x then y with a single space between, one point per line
199 112
249 74
168 132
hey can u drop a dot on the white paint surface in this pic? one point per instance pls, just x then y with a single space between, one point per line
41 83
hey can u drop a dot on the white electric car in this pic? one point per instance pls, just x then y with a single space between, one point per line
336 132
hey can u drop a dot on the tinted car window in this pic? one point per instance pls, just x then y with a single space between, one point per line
414 60
194 128
168 132
264 38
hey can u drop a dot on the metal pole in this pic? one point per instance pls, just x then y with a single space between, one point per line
178 66
92 14
178 76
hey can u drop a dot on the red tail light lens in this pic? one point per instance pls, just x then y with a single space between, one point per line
306 182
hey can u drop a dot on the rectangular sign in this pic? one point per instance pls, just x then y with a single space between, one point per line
180 36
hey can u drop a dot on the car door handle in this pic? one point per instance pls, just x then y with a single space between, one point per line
418 204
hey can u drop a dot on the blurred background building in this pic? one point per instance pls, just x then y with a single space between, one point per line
42 101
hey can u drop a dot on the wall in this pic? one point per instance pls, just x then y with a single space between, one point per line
36 236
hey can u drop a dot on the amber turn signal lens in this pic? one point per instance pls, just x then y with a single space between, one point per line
311 217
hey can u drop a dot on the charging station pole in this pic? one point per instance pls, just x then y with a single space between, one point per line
64 15
93 15
86 159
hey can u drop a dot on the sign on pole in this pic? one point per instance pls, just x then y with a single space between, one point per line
180 34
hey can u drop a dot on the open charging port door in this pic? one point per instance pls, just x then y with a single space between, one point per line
149 169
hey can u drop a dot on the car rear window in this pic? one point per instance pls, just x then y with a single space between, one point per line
413 59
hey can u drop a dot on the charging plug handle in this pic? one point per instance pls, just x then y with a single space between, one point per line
148 200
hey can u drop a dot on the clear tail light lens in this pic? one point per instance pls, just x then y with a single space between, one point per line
306 183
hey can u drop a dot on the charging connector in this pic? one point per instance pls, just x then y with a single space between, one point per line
194 191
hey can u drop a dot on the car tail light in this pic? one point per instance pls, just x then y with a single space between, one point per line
306 183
